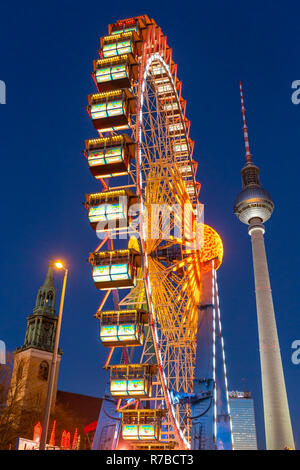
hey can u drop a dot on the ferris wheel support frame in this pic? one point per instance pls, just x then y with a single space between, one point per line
143 76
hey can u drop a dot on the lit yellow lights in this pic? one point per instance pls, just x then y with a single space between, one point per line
59 265
115 37
120 58
103 140
105 95
212 249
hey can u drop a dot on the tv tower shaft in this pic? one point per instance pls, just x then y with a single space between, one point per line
278 427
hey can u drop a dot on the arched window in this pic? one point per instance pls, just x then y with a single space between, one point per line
50 299
43 370
42 299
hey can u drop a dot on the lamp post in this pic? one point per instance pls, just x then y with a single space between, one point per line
58 265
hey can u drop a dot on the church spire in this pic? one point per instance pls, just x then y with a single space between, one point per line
45 301
48 284
41 325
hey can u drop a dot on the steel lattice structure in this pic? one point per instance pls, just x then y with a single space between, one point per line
139 109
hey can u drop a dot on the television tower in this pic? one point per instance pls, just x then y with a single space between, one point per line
253 206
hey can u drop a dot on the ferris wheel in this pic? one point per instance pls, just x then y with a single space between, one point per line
155 250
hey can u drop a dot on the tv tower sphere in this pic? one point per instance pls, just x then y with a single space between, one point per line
253 202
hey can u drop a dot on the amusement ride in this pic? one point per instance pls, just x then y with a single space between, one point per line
156 266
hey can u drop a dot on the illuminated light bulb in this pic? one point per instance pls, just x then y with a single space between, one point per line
59 265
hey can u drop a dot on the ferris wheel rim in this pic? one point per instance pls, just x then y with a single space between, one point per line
144 73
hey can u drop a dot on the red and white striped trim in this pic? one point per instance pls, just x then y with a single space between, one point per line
245 128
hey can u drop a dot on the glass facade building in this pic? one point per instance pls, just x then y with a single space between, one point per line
243 420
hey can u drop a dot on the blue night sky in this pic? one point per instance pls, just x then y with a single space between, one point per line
46 59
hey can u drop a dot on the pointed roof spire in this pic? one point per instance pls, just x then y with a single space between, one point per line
245 128
48 283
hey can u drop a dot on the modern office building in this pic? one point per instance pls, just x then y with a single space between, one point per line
243 420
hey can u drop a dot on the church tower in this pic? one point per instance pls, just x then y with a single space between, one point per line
29 383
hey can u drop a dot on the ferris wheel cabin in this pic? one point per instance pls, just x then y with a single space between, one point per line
142 424
131 380
110 209
109 156
119 328
111 110
118 44
115 269
115 72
